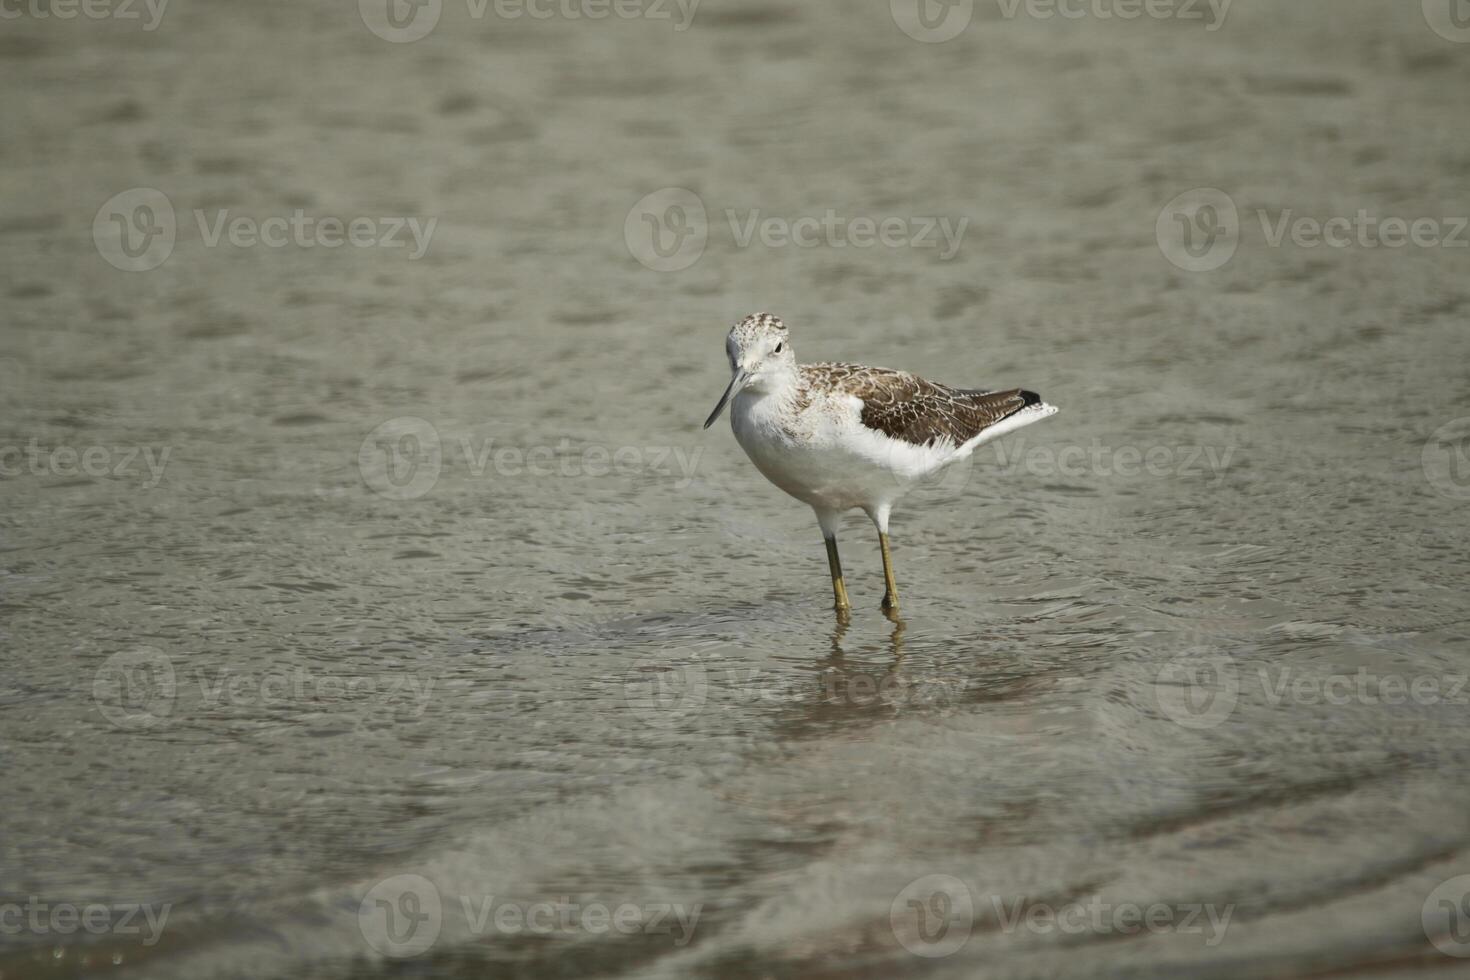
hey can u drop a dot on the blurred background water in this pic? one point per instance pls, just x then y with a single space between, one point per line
379 608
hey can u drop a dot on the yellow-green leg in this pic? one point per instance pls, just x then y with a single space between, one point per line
890 585
839 590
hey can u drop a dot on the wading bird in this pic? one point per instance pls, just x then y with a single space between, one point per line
841 436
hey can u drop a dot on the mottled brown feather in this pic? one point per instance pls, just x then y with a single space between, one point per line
905 406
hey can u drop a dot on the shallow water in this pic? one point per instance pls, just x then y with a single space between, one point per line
402 592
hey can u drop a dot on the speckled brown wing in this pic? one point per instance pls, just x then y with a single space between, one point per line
905 406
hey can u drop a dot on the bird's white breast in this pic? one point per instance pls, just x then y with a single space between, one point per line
822 453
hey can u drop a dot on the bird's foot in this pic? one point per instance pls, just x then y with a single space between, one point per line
890 602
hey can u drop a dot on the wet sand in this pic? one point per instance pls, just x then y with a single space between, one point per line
346 578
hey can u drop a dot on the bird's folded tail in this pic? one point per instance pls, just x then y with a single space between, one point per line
1024 408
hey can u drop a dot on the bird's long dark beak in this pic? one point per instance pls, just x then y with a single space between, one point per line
736 383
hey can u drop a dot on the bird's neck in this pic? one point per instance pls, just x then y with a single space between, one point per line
775 403
779 389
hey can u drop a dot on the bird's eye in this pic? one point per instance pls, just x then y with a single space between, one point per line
779 346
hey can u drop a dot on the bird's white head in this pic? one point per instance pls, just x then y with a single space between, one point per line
761 358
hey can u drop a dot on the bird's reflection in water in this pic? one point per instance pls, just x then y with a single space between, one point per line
895 639
860 687
853 683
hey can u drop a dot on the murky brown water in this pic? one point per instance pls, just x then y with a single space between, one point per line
381 609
